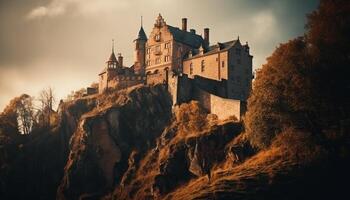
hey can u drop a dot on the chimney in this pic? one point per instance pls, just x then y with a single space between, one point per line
120 59
193 31
184 24
206 36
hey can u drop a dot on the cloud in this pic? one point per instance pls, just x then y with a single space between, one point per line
55 8
264 25
83 7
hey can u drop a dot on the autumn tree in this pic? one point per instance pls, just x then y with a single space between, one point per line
47 100
304 83
25 113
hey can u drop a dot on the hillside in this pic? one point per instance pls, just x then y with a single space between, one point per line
111 147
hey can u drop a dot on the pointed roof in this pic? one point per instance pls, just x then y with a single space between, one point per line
142 34
112 58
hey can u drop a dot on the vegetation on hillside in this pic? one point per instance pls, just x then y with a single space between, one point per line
304 84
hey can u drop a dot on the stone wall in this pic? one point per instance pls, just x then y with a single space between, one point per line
155 78
222 107
184 89
122 82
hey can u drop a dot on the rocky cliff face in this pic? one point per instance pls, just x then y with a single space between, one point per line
134 146
131 144
108 137
36 161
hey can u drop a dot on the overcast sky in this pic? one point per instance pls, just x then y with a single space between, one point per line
65 43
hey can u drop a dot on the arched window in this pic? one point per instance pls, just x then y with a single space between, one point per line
202 66
191 68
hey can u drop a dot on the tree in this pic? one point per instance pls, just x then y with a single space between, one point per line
47 100
25 113
304 84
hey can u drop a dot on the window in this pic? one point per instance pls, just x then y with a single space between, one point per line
191 68
157 60
222 64
157 37
166 58
148 51
167 45
148 63
202 66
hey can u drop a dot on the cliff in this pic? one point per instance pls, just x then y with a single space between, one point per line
131 144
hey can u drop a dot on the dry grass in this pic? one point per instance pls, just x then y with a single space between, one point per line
289 151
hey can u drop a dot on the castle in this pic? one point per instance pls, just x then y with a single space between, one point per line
219 76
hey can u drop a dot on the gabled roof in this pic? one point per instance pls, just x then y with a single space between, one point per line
221 46
188 38
214 48
142 34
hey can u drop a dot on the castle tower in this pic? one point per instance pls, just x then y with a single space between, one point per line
140 51
112 61
109 71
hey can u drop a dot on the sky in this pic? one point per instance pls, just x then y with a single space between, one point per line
64 44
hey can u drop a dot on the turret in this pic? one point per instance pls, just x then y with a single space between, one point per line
140 51
112 61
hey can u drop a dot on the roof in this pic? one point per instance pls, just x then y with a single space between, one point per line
142 34
112 58
214 48
188 38
221 46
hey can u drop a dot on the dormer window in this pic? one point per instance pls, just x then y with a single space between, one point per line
201 50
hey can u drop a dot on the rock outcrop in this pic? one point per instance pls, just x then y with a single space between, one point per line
102 146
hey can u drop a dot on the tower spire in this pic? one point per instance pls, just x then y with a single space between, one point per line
112 45
141 21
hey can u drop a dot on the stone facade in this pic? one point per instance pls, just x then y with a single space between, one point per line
219 76
117 76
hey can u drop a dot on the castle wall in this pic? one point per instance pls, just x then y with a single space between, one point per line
222 107
240 73
215 66
122 82
184 89
156 78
